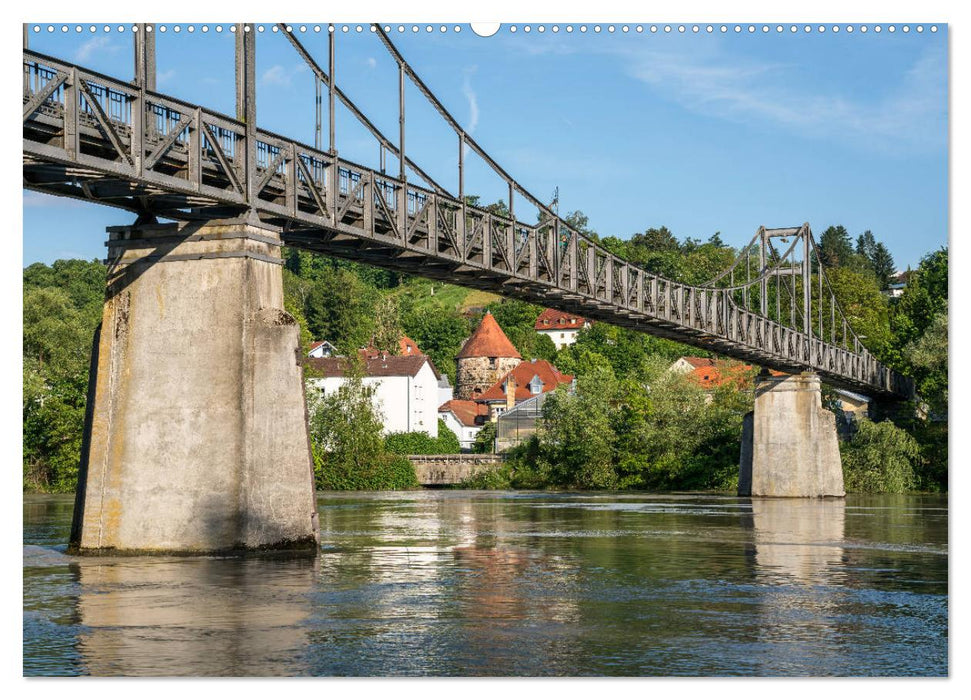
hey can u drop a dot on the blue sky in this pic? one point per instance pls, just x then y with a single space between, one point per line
697 132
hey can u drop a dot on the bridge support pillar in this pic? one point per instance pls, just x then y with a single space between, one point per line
789 442
196 433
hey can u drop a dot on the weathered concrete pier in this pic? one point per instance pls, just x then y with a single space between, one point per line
196 434
789 442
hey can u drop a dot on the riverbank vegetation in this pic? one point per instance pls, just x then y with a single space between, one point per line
348 450
630 424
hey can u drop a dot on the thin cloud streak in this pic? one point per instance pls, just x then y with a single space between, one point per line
473 101
711 82
741 90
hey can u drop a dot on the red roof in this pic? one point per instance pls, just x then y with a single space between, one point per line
712 376
553 320
470 413
488 340
382 365
407 346
523 374
697 362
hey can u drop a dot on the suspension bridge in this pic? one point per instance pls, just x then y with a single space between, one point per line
239 192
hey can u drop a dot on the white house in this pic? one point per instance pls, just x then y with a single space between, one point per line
406 388
465 418
322 348
560 327
445 391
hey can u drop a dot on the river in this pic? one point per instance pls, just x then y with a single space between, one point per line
475 583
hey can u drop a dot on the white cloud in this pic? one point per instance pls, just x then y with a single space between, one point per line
92 46
282 75
910 115
165 76
472 100
709 80
275 75
372 62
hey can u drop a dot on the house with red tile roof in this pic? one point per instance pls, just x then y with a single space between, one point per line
710 374
527 380
560 327
406 346
465 418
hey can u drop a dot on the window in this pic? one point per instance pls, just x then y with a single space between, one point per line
492 363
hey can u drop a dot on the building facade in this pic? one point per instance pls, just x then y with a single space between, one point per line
465 419
560 327
406 388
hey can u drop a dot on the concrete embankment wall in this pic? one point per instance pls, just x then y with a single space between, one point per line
446 470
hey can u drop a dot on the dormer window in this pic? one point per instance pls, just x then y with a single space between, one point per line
536 385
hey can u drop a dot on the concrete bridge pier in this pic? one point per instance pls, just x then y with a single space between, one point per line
789 442
196 433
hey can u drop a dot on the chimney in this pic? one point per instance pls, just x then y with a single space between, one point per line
510 393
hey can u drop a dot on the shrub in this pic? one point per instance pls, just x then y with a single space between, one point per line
485 439
419 443
880 458
495 479
349 453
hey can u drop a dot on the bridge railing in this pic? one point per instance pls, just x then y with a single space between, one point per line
83 118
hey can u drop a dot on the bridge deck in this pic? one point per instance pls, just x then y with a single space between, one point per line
100 139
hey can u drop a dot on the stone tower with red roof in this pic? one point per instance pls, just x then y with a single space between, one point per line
486 356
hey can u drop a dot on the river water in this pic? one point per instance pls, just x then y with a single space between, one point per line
444 583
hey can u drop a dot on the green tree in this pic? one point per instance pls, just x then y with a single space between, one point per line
387 325
420 443
439 333
866 309
883 265
62 305
879 458
348 448
577 435
835 247
923 298
927 357
485 439
580 223
341 308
